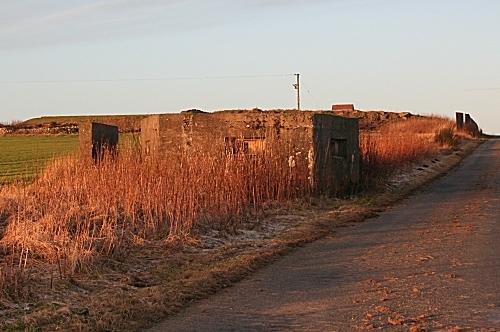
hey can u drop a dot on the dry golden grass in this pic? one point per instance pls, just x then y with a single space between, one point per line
175 278
78 213
397 145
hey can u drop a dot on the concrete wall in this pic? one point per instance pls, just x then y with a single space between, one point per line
460 120
202 132
292 129
471 126
162 134
468 124
305 137
337 156
97 139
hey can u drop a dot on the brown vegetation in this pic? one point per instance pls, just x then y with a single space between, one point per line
396 145
78 211
77 214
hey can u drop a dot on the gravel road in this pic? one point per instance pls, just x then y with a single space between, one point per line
431 262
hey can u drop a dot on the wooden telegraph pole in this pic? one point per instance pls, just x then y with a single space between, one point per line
297 87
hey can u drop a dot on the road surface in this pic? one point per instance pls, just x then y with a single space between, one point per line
431 262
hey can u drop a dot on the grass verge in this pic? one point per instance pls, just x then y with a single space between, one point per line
139 287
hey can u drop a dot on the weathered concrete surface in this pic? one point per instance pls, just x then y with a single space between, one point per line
459 120
471 126
325 145
432 262
336 154
96 139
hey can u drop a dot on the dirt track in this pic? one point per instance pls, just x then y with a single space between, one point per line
430 262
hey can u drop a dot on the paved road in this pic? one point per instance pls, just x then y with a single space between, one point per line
429 263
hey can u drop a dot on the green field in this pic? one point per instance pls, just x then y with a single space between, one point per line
23 157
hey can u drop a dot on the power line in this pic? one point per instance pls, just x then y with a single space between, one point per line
146 79
484 89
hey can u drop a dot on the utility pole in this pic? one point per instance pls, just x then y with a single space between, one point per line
297 87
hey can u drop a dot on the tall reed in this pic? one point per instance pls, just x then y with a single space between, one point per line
396 145
78 211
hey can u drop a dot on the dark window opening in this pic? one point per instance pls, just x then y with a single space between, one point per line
338 147
249 146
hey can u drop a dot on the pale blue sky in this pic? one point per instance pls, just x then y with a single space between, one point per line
425 56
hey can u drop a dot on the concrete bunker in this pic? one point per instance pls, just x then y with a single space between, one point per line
471 126
327 144
460 120
468 124
97 140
